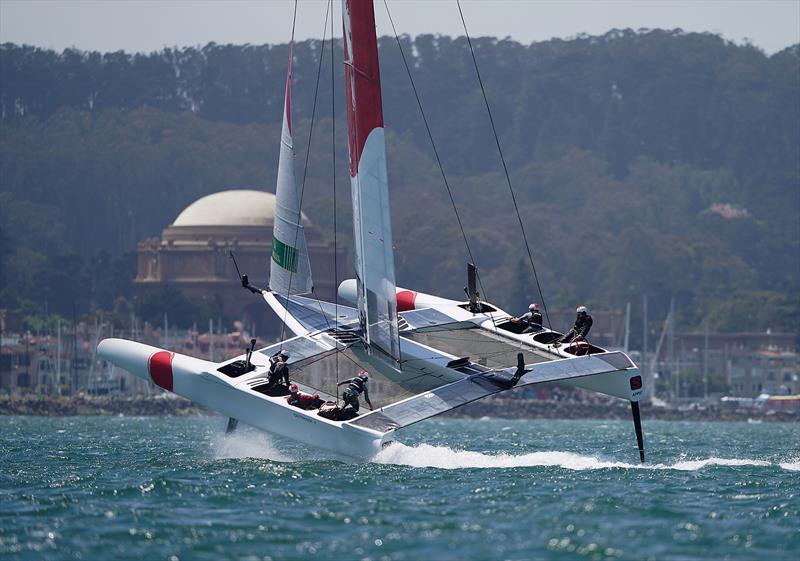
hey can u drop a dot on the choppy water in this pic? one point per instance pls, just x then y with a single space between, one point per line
174 488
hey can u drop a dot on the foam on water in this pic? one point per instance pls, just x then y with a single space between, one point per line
791 465
694 465
247 444
443 457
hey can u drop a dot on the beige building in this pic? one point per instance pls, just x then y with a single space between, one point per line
193 254
764 372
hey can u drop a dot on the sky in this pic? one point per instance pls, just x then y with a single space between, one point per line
150 25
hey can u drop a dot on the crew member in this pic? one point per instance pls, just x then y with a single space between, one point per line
532 320
579 331
278 378
357 386
302 400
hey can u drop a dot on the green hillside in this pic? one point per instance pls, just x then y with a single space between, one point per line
649 162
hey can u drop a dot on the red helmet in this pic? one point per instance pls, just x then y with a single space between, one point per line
293 388
364 375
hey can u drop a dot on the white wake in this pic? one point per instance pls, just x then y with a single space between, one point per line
793 465
442 457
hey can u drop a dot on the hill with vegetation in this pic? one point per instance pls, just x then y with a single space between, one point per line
657 162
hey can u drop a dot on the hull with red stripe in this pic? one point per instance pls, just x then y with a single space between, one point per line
200 381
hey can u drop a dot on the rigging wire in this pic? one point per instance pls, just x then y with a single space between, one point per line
503 160
335 225
433 146
305 166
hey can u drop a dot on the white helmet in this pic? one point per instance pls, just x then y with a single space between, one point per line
534 307
582 310
284 352
364 375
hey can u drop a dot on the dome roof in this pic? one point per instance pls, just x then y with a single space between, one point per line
239 207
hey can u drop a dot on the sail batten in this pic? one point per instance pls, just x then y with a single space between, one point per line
290 267
375 278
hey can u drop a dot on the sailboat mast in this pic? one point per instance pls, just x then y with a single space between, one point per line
377 300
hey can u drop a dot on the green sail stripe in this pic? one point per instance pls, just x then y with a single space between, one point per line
284 255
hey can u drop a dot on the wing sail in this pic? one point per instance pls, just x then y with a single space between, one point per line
290 267
377 301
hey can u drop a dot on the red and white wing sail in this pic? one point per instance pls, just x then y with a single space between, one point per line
369 188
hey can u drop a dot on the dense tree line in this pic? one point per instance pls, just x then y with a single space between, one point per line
658 161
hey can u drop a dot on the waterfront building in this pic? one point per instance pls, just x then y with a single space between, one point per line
193 255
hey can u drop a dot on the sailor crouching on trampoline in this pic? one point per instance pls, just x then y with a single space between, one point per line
357 385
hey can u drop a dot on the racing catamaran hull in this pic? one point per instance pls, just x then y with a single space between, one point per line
201 382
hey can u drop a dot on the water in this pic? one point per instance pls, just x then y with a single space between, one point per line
174 488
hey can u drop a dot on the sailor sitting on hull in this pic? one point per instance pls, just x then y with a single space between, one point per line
278 378
532 321
579 331
357 386
303 400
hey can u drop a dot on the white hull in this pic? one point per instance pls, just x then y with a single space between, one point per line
199 381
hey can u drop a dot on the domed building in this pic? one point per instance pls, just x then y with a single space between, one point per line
193 254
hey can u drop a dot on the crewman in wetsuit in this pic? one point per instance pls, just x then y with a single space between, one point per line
357 385
278 378
532 320
303 400
579 331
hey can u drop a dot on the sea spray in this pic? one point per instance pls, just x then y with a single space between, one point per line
443 457
791 465
246 443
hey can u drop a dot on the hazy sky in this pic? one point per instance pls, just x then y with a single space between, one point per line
148 25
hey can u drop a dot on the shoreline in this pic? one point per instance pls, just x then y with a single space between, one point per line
156 406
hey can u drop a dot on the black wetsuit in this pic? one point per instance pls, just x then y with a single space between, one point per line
278 374
356 387
583 323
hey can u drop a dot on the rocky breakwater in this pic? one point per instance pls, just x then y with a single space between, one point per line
99 405
515 408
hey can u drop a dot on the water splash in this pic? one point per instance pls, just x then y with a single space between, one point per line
247 444
694 465
443 457
792 465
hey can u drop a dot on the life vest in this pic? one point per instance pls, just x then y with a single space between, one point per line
356 386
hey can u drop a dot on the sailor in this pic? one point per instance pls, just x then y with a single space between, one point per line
532 321
279 370
356 386
302 400
579 331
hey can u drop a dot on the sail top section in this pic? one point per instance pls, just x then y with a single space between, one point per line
290 267
377 301
363 82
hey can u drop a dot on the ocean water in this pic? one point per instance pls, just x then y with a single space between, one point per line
177 489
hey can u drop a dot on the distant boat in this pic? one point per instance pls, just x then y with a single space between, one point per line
443 353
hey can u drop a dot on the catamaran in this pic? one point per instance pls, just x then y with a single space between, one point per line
441 353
